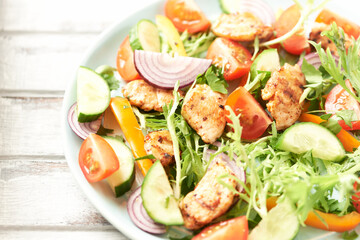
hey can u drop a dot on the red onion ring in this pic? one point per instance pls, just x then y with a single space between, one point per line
313 59
163 71
237 170
260 9
83 130
139 215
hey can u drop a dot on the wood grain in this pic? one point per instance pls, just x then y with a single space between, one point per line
30 126
82 16
60 235
44 194
39 61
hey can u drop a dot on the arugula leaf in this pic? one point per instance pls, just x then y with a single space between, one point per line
314 86
196 44
107 72
347 115
348 66
349 235
214 78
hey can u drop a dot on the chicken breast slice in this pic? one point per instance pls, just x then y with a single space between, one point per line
241 27
203 109
143 95
315 36
210 199
159 144
283 90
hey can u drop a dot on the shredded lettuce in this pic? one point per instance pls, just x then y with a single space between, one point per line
196 44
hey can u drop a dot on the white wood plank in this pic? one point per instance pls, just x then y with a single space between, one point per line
65 15
60 235
44 194
40 61
30 126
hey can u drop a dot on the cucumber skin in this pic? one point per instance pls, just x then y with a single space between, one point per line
125 186
142 196
134 37
281 139
82 118
223 7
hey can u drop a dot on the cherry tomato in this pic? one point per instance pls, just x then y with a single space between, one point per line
356 197
232 229
97 159
234 57
297 43
328 17
125 61
186 15
339 99
253 119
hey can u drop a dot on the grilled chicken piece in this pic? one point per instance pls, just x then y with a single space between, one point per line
159 144
283 90
143 95
241 27
315 36
210 199
203 109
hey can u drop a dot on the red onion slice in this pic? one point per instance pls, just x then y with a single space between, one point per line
83 130
313 59
259 8
139 215
163 71
237 170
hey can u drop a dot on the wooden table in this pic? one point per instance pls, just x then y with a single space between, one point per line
41 45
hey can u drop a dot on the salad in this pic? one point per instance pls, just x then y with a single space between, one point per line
243 127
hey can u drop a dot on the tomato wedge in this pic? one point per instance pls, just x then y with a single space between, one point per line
356 197
297 43
339 99
355 125
186 15
97 159
125 61
253 119
232 229
328 17
232 56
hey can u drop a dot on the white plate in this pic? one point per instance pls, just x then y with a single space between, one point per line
103 51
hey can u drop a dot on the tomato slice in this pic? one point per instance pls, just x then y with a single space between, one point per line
356 197
253 119
328 17
232 56
125 61
186 15
97 159
339 99
297 43
232 229
355 125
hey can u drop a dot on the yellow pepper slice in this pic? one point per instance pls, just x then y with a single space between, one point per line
172 35
131 129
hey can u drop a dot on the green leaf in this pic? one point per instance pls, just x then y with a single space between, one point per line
196 44
214 79
349 235
104 131
107 72
314 79
332 124
347 115
150 156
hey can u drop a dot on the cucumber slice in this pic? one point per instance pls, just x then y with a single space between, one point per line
158 198
145 36
93 95
268 60
121 180
303 137
229 6
281 223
